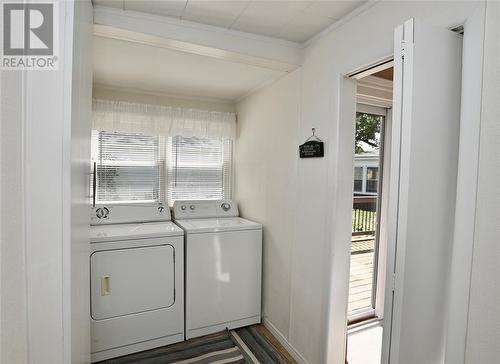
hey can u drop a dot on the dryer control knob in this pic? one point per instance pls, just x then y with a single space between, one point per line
102 212
225 206
183 207
192 207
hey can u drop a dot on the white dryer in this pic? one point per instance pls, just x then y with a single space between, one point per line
136 280
223 266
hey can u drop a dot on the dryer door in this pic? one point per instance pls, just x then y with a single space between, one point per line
128 281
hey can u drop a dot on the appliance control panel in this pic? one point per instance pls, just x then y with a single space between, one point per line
198 209
120 214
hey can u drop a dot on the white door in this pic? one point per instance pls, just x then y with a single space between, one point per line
128 281
427 86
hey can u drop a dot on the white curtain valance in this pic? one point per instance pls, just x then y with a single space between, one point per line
127 117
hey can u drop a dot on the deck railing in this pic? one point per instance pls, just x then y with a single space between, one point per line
364 215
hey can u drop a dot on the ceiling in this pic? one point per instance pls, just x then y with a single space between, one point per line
139 67
293 20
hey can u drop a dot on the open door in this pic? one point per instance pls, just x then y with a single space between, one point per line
424 154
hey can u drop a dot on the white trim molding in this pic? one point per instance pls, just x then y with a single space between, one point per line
106 31
346 18
171 33
283 341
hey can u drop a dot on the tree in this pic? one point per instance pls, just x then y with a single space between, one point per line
367 132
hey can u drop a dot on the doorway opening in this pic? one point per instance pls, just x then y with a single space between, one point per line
370 190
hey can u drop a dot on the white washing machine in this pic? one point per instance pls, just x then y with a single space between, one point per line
136 280
223 266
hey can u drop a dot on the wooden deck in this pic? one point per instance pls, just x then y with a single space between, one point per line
361 276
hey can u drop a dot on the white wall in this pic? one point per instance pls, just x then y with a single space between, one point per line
36 303
265 169
117 94
321 183
483 335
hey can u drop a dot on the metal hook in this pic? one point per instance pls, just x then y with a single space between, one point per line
313 136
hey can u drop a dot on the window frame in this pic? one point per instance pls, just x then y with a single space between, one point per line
163 188
227 185
95 162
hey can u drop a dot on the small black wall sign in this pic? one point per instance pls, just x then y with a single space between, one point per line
312 148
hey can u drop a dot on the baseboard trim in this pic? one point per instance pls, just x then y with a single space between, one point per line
283 341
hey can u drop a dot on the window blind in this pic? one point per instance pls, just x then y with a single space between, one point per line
130 167
198 168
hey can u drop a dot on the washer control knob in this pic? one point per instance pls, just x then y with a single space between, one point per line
225 206
183 207
161 209
192 207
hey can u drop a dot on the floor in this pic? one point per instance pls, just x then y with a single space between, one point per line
361 275
252 344
364 345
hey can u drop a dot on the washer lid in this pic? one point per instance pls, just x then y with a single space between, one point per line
114 232
217 225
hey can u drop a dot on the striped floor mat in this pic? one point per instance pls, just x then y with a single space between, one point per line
216 348
252 345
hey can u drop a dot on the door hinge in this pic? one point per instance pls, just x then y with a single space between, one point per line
403 48
393 282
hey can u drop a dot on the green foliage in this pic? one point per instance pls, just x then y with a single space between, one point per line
367 128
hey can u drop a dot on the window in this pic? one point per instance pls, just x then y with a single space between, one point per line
133 168
372 179
358 179
130 167
199 168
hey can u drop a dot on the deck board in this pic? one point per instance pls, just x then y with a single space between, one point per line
361 276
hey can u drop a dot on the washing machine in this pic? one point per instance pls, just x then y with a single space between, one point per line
223 266
136 280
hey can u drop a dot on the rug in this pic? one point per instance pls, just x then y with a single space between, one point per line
249 345
216 348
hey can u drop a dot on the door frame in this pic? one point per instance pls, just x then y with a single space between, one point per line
383 187
468 160
465 208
